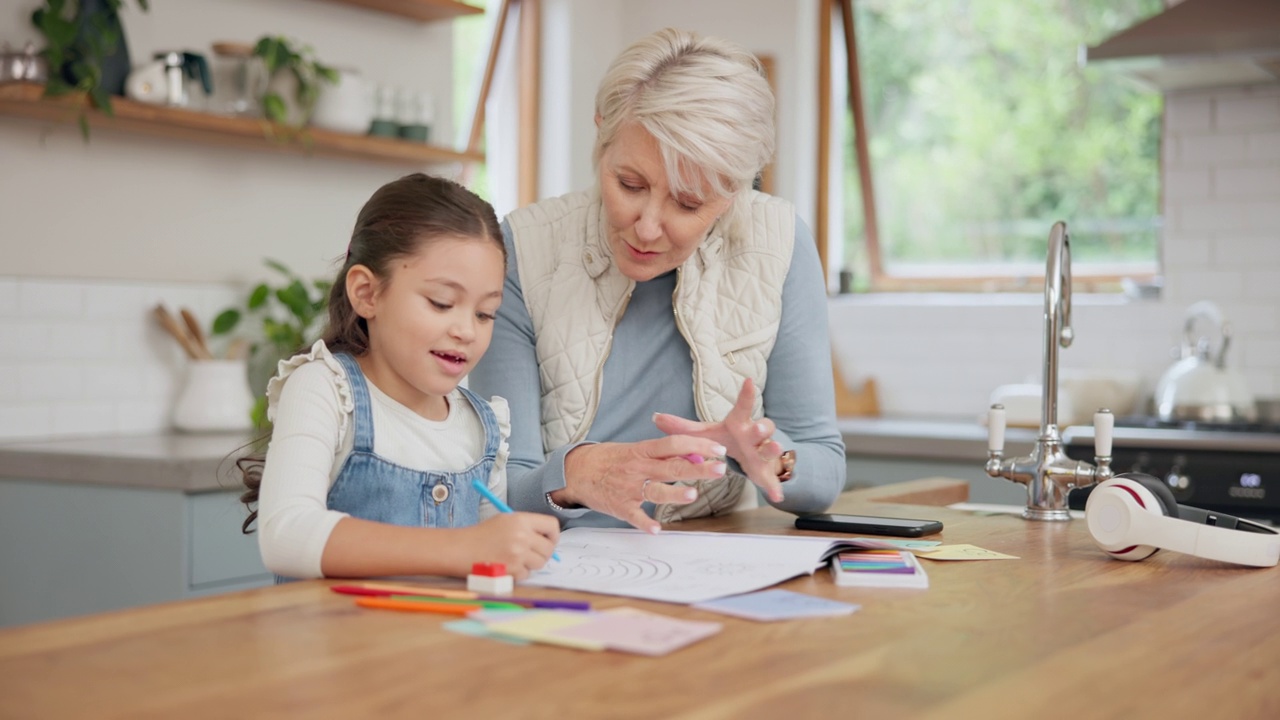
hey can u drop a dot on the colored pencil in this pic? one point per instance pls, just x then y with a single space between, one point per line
396 589
486 604
383 603
373 590
497 502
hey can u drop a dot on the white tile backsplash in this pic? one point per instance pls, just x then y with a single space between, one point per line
1246 111
83 357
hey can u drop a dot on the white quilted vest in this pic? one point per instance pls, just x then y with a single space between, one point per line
728 303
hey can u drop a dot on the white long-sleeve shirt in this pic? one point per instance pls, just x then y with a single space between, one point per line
311 406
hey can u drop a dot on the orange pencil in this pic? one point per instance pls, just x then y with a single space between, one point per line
420 590
381 603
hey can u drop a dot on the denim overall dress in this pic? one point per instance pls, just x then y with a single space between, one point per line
371 487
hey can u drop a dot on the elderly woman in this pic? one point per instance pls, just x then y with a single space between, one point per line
670 291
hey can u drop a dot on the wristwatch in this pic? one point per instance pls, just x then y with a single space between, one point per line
788 459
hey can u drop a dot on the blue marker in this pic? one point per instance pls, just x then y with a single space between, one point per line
502 507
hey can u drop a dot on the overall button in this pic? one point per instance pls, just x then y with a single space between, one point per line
440 493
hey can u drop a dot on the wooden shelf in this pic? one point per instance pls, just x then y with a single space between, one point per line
420 10
26 100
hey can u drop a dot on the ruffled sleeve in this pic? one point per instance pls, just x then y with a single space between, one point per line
317 353
498 478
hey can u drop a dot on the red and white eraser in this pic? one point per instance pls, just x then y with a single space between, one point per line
488 569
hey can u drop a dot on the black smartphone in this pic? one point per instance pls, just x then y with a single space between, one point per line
869 525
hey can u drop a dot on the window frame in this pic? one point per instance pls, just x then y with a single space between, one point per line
881 280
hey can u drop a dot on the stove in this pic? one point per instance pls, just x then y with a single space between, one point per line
1229 468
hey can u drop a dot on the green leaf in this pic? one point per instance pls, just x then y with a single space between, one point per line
279 267
273 108
258 296
294 297
259 414
226 321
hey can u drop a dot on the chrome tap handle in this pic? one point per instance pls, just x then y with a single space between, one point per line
1103 425
995 430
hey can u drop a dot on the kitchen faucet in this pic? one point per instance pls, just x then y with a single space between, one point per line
1048 473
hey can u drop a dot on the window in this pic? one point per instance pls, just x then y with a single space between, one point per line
982 130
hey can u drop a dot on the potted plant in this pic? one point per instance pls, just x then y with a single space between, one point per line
85 49
294 80
289 317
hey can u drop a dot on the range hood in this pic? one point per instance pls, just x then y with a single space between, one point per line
1197 44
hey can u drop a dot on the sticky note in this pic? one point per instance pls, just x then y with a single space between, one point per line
770 605
962 552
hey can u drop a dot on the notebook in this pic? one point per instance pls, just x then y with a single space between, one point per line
878 568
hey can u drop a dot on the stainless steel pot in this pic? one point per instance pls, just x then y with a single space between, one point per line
25 66
1199 386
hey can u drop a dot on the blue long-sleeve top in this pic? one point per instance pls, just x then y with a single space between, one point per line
650 369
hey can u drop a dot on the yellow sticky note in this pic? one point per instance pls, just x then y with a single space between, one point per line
543 627
961 552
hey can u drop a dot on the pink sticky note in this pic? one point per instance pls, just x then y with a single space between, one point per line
643 633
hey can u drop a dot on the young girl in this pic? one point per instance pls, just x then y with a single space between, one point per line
374 446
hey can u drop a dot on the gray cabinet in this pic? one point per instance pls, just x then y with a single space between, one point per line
69 549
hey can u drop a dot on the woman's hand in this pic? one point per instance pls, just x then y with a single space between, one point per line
618 478
522 541
750 442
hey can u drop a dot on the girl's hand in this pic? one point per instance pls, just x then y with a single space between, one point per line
618 478
750 442
521 541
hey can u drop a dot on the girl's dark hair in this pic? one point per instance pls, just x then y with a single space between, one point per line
395 223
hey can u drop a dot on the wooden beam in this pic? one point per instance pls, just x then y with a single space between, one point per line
865 179
530 96
822 209
495 44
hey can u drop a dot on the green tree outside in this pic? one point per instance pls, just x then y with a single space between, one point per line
984 130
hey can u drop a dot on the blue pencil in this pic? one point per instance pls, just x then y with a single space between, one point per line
502 507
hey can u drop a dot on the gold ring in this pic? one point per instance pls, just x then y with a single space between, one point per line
643 488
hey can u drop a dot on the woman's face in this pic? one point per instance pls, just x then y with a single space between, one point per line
651 231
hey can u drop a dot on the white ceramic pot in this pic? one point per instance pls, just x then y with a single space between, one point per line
344 107
214 398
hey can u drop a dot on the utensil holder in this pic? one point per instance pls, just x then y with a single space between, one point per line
215 397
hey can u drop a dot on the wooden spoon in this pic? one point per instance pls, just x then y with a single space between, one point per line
174 328
197 335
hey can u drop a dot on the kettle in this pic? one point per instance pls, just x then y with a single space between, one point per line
1199 387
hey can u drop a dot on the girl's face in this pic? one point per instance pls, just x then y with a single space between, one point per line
651 231
431 320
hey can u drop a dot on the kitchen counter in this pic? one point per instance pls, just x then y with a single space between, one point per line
927 438
169 461
1061 632
204 462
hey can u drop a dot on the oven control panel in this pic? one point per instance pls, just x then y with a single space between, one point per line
1244 483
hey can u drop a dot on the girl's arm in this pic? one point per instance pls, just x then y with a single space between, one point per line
362 548
300 537
294 521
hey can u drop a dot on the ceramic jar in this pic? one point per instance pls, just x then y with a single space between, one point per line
215 397
346 106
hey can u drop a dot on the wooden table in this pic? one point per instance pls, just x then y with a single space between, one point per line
1063 632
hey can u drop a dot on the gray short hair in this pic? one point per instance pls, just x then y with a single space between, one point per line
705 100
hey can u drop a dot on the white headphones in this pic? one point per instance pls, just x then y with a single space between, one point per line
1132 515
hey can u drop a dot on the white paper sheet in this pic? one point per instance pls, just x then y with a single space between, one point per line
679 567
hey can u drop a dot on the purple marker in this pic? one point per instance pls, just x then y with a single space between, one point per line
541 604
